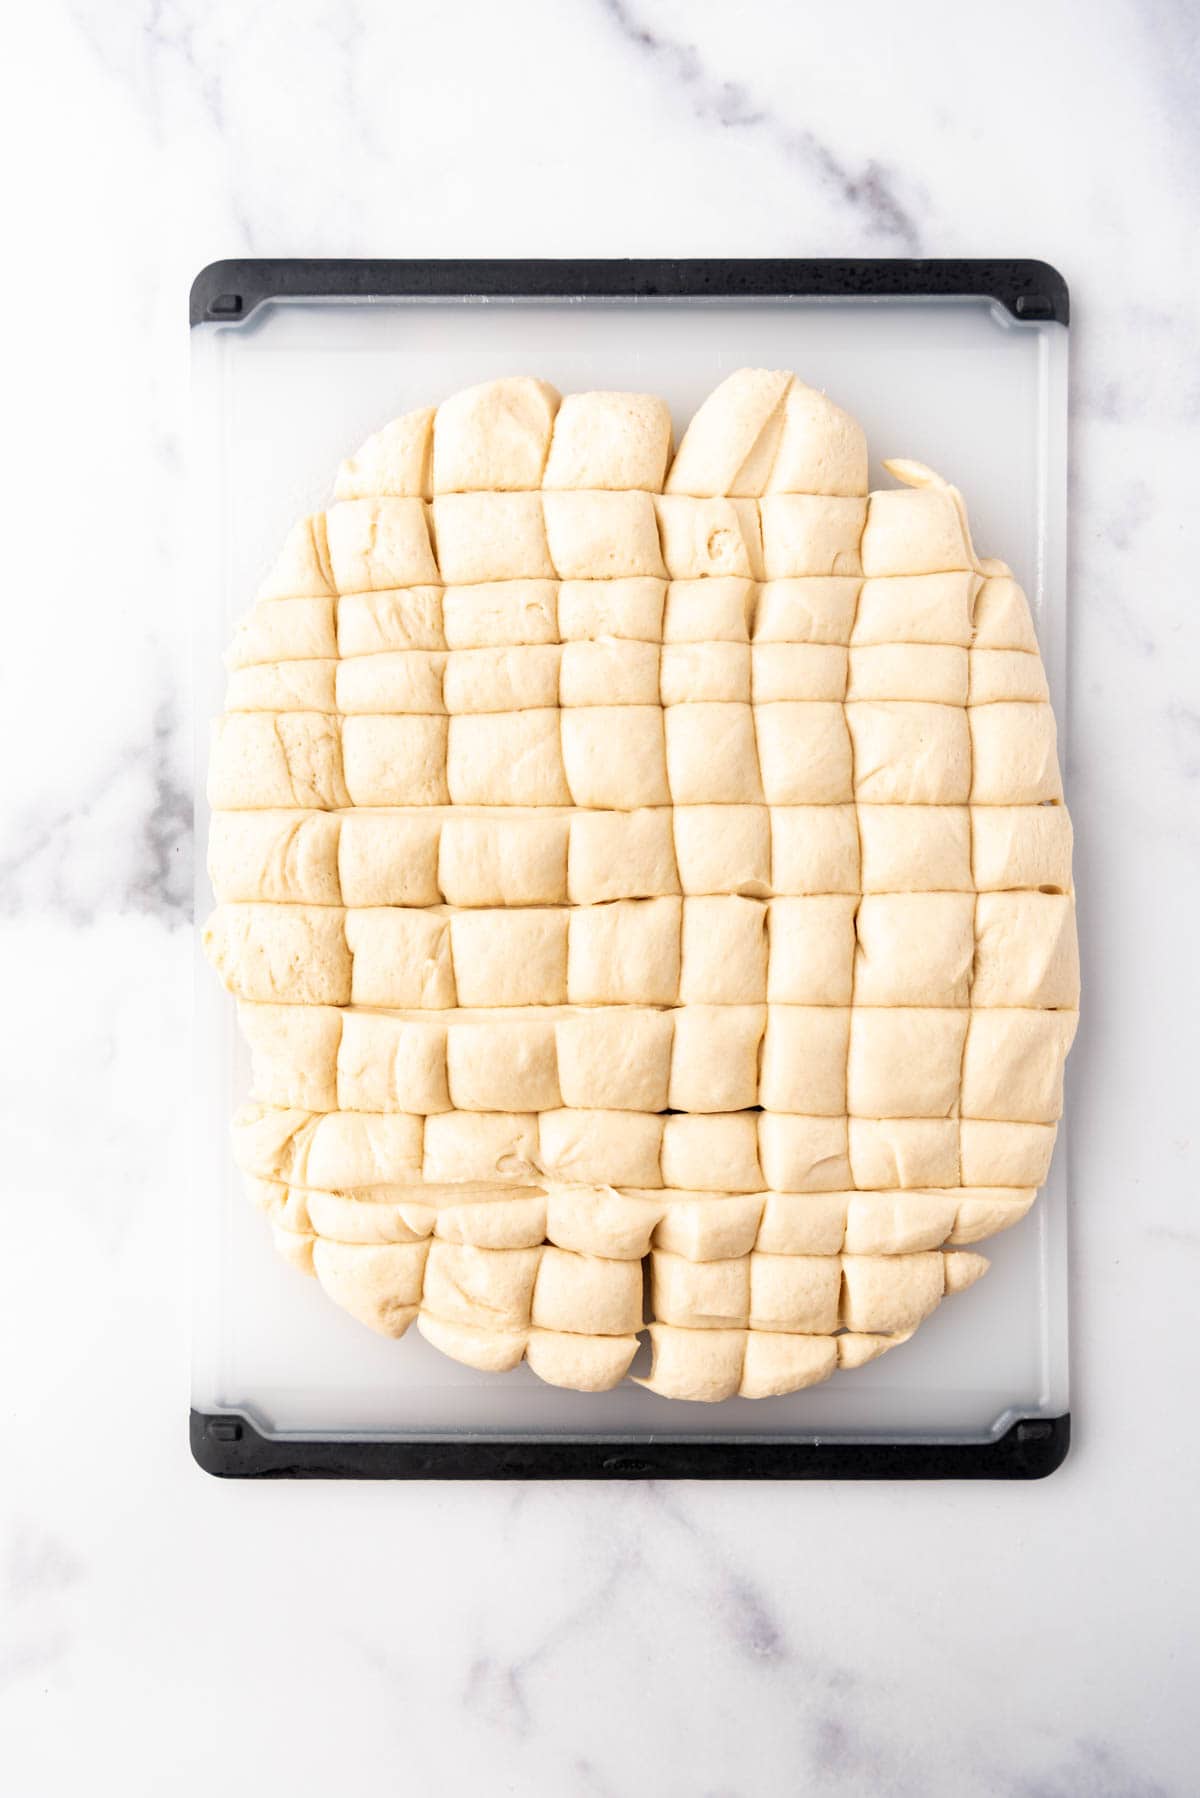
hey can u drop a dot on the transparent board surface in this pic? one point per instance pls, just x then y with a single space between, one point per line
278 401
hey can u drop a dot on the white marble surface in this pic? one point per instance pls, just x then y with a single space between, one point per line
160 1632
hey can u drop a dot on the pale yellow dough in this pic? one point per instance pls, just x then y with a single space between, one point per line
631 866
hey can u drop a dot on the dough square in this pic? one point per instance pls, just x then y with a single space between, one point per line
1021 847
804 1060
1014 754
890 1223
288 856
695 1364
712 758
711 537
732 440
379 543
268 759
395 760
1026 950
499 1218
708 1226
349 1150
379 1283
515 860
489 1350
285 954
818 609
795 1293
502 680
802 1223
626 953
391 1064
489 537
910 753
581 1363
602 1148
587 1294
916 608
996 1152
613 756
501 613
821 448
905 1061
783 671
806 533
466 1147
915 848
804 753
598 1220
502 1066
803 1154
602 536
1002 617
302 570
904 1152
914 530
401 958
506 758
698 672
610 440
492 1287
389 858
493 437
621 855
293 1051
1007 674
401 680
890 1293
394 460
914 949
716 610
723 849
510 957
711 1152
373 623
811 943
814 849
609 672
922 671
778 1362
284 630
303 686
631 609
723 951
700 1295
1012 1068
615 1060
714 1057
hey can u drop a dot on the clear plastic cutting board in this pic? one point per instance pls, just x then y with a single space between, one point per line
280 398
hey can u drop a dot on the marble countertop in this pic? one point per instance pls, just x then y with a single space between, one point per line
161 1632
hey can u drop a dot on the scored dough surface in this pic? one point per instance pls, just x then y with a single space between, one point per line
646 889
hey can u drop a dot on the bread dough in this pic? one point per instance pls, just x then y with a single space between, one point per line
494 437
621 860
609 440
615 1059
723 849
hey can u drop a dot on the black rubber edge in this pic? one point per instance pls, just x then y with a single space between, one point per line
229 1446
228 292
